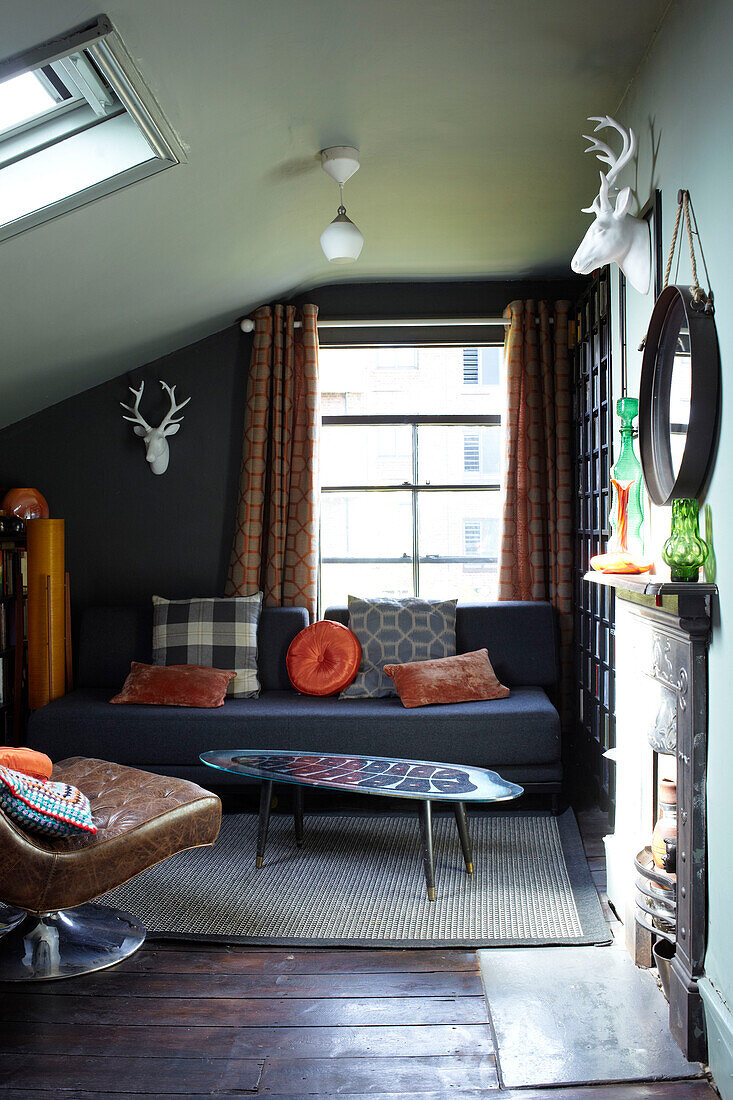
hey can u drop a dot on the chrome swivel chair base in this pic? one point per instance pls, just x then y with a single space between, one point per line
68 943
10 917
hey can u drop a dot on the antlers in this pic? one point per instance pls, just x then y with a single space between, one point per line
136 417
606 154
168 418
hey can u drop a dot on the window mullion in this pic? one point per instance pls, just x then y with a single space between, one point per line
415 516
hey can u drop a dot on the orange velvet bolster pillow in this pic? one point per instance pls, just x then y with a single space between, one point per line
460 679
323 658
27 761
175 685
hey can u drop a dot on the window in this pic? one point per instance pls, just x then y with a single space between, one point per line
482 366
396 358
471 453
76 123
410 478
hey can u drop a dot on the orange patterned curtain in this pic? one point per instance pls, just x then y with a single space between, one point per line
536 555
276 537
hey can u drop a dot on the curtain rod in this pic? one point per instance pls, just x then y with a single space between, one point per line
247 325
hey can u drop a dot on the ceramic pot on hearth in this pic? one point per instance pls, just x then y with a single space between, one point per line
666 826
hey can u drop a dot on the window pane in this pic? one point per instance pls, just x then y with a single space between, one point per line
360 381
22 97
459 544
359 526
338 582
457 455
447 582
356 455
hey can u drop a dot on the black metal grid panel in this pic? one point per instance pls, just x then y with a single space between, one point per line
594 605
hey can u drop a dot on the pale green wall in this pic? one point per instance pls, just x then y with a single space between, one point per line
681 107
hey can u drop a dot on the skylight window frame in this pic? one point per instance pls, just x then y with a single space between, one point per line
103 45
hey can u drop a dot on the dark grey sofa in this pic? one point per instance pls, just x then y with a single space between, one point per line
518 736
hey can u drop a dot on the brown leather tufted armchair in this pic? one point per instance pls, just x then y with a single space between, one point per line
46 928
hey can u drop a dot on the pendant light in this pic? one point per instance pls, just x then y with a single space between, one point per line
341 241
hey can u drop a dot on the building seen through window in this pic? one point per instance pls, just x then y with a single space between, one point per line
410 460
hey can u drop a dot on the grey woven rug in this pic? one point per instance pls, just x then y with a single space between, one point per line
358 881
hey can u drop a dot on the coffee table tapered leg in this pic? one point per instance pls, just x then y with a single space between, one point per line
426 832
265 800
298 815
462 823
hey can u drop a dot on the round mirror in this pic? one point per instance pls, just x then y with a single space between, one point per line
678 397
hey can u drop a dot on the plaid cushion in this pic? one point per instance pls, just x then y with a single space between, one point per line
397 632
217 633
41 806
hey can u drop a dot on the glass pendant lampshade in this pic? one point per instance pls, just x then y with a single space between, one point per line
341 241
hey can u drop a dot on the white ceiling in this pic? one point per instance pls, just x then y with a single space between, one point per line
467 113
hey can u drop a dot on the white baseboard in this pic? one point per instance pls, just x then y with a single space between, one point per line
719 1027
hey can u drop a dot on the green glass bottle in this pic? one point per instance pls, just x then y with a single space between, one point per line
684 551
627 500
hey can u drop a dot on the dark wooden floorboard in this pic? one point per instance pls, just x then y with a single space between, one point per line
169 957
161 1041
346 1076
115 983
202 1020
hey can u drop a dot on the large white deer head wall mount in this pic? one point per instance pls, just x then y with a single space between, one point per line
615 236
157 452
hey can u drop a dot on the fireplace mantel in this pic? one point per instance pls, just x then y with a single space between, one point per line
662 635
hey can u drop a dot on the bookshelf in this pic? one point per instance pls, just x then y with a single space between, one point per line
13 639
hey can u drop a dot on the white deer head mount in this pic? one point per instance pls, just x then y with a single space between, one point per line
615 236
156 444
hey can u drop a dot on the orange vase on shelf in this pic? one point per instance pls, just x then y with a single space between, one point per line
25 503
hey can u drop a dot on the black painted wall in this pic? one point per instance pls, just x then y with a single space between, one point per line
130 533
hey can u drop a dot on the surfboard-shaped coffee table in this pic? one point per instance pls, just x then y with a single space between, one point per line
421 780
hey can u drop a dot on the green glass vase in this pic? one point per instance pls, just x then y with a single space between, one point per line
627 500
684 551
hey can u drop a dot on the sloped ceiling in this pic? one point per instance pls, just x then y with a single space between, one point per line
467 113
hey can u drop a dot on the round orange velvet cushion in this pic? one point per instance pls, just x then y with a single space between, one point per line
27 761
323 658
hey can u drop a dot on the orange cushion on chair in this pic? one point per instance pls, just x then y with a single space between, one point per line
27 761
323 658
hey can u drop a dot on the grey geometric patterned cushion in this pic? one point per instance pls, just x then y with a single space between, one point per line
395 631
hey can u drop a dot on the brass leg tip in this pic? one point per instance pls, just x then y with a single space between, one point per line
260 861
469 868
431 893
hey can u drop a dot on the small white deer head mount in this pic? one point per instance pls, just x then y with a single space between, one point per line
156 444
615 236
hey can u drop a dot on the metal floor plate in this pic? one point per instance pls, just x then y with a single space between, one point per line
578 1015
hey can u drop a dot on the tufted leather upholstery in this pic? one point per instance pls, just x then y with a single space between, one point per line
141 820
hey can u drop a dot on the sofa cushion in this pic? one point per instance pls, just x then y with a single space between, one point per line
521 639
397 631
112 637
523 728
218 633
323 658
465 678
174 686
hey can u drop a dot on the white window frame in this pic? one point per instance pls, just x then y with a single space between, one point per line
92 105
413 487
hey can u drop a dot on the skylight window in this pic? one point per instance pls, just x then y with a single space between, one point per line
76 123
22 98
